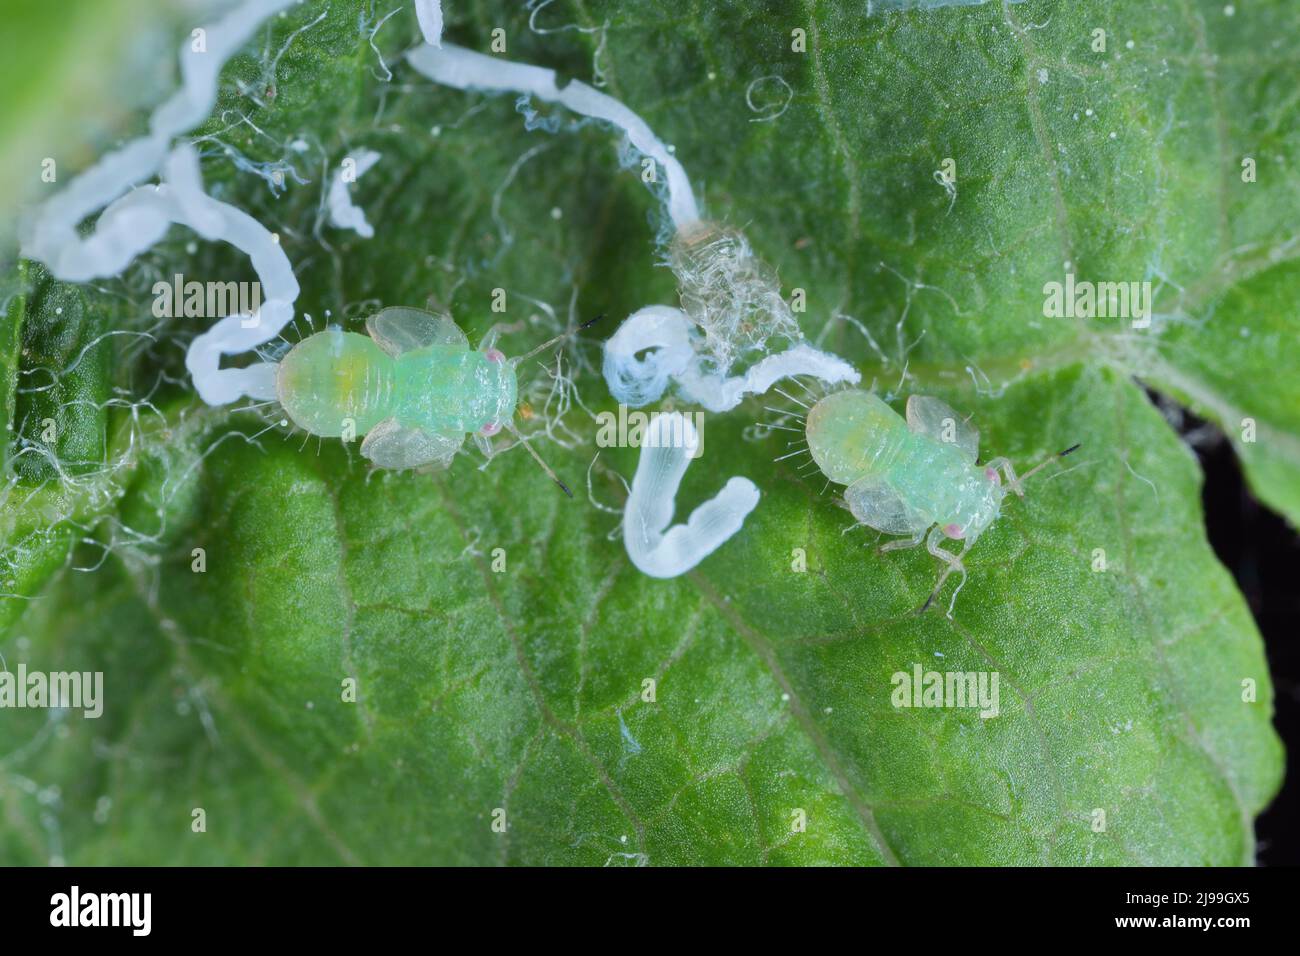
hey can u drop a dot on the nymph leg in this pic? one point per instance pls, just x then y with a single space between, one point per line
953 562
900 543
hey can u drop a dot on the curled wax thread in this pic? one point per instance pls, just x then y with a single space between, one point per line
657 346
51 236
428 13
464 69
656 549
344 213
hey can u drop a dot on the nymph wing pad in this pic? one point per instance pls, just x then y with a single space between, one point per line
391 445
935 419
401 329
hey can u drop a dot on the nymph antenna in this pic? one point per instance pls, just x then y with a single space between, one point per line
1044 464
559 338
538 458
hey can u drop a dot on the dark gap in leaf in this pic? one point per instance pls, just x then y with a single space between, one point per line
1263 554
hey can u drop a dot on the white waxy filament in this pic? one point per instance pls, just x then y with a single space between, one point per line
429 15
655 548
466 70
50 236
134 219
344 213
663 335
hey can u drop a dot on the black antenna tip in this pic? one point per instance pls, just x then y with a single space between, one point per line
587 325
564 487
1067 451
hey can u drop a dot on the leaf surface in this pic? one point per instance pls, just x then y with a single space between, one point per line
498 640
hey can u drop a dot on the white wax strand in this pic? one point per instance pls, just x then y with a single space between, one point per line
429 15
344 213
466 70
664 334
653 547
50 236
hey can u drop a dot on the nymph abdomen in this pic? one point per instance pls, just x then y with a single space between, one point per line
334 378
853 434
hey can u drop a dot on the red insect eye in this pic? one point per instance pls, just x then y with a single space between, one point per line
495 355
993 476
491 428
952 530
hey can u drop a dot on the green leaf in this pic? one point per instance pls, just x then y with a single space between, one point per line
243 579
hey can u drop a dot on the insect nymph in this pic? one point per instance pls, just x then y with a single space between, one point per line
911 477
413 387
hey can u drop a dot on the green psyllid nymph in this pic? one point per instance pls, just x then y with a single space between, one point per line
413 387
911 477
